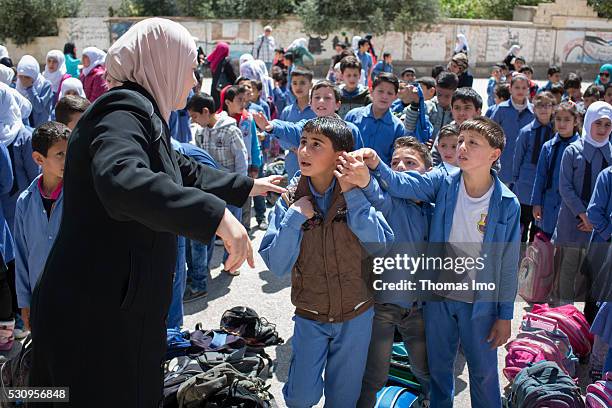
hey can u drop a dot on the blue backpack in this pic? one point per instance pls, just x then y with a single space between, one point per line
394 397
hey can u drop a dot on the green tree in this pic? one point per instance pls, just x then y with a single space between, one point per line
602 7
22 20
485 9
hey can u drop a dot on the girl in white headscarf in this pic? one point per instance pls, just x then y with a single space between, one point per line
25 107
6 74
72 86
461 45
55 71
3 51
93 73
244 58
39 91
132 195
513 52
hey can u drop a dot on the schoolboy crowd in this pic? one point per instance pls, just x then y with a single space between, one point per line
371 159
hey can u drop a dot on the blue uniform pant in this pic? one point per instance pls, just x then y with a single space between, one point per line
608 364
199 256
175 314
340 349
446 324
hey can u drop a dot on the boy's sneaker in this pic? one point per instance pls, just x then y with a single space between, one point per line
21 334
7 335
262 225
191 294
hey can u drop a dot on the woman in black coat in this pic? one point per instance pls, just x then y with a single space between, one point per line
222 71
99 309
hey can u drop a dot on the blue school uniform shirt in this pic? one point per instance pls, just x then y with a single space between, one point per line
180 126
530 140
546 188
546 87
6 184
502 225
24 171
40 96
511 122
292 113
280 246
575 190
377 134
381 66
366 62
34 237
398 106
198 154
491 91
599 210
279 97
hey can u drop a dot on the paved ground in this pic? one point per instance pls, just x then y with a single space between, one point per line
270 296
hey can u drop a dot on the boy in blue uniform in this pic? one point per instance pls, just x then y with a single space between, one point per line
366 60
554 77
531 138
410 220
545 197
352 92
316 233
471 206
378 126
383 66
39 211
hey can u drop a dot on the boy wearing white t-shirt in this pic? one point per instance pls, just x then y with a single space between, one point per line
477 214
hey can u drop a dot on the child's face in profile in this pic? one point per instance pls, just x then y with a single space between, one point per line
555 78
406 159
474 151
350 77
53 164
237 105
249 88
323 102
428 93
445 96
600 129
588 100
201 118
447 147
463 110
316 155
519 91
608 95
389 59
300 86
254 94
383 96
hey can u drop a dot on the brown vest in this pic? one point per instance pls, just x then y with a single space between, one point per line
330 281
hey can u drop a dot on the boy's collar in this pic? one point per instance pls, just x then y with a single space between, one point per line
497 184
386 117
329 189
54 194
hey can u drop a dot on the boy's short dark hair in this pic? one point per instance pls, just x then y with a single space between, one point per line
594 91
231 93
552 70
326 84
257 84
388 78
502 91
572 80
280 50
408 70
410 142
436 70
362 42
350 62
289 55
68 106
500 65
240 79
386 55
557 89
303 72
335 129
487 128
467 95
520 59
447 80
199 101
517 76
450 130
526 68
280 75
48 134
429 82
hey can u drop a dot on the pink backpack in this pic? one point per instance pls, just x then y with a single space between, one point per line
571 322
599 394
536 275
527 349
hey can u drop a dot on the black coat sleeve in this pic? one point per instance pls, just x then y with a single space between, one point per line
229 71
130 190
230 187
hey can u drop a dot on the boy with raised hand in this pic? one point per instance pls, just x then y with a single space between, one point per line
316 232
39 211
378 126
352 92
472 207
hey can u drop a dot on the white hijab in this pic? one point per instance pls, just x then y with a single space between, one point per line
3 51
299 42
6 74
244 58
72 84
25 106
140 56
96 57
10 117
461 41
55 77
597 110
514 50
355 43
28 66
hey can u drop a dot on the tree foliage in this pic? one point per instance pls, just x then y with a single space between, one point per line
485 9
602 7
22 20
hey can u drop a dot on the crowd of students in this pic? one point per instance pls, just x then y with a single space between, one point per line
371 157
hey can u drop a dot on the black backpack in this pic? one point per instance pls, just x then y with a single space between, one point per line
246 323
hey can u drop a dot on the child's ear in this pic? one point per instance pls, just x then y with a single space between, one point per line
478 112
38 158
495 154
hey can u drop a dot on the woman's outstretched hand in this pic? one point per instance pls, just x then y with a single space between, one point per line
236 242
265 184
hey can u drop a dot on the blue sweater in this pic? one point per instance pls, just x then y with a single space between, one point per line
6 184
41 97
292 113
502 226
600 207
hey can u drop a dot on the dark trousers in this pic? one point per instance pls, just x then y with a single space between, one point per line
528 227
6 297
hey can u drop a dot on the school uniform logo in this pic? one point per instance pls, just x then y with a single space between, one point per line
482 224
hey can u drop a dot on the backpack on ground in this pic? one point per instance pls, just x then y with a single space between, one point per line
523 352
599 394
400 373
536 273
597 359
571 322
394 397
544 385
246 323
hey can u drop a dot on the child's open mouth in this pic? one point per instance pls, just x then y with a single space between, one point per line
304 164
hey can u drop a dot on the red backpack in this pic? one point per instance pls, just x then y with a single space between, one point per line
571 322
599 394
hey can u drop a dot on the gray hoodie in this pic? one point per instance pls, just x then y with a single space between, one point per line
225 144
